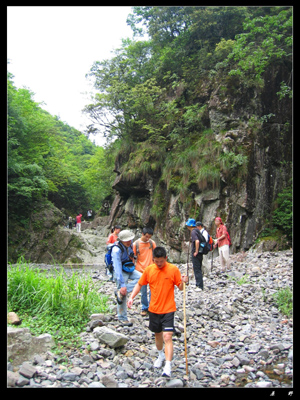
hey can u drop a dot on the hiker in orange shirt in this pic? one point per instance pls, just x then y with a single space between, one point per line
143 250
162 277
113 237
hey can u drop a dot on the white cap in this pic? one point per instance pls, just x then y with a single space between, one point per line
126 235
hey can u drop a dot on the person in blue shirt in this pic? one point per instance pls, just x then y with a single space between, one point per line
122 278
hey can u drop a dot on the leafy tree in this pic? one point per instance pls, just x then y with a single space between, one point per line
283 215
267 39
48 159
26 179
98 177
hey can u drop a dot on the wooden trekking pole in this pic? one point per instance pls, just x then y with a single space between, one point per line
184 324
184 310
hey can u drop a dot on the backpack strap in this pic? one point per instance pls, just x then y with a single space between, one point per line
200 236
137 245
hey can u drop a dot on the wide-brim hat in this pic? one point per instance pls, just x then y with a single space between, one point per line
126 235
190 222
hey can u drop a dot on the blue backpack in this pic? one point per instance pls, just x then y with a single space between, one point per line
127 265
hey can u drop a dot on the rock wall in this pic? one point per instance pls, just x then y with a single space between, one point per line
254 119
46 240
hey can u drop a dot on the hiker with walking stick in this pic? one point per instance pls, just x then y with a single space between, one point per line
196 255
162 277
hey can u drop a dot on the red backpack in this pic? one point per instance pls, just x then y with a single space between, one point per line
229 240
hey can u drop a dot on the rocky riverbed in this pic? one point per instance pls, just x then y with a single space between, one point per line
236 336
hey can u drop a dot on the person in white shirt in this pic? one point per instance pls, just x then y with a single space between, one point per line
205 262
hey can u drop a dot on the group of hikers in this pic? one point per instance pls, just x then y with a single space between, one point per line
141 266
77 221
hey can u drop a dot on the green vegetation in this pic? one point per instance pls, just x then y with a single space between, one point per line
53 303
240 281
157 91
284 301
48 159
280 225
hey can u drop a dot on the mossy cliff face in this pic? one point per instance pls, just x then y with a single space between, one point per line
252 130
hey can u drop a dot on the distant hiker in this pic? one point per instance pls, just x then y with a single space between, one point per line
112 238
89 214
124 271
196 239
205 262
143 250
162 277
78 222
115 230
106 206
222 242
70 223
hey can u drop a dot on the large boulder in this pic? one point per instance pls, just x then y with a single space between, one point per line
110 337
22 346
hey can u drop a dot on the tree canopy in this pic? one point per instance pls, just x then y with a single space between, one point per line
48 159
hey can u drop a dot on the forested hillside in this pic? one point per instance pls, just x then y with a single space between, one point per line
49 160
49 164
203 106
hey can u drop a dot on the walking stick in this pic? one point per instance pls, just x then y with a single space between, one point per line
184 313
184 323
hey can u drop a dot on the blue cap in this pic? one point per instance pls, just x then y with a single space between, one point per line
191 222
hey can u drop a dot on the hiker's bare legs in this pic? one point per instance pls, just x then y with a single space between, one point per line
165 337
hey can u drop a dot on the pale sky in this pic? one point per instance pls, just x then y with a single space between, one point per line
51 48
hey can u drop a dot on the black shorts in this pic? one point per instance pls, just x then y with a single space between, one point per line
161 322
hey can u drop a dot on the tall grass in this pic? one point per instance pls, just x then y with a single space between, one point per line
53 302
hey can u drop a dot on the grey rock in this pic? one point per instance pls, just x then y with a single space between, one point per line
22 381
263 384
173 383
236 361
69 376
94 346
110 337
22 346
12 378
241 318
27 370
96 385
244 360
109 381
263 354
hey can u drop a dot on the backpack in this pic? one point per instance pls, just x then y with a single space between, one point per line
127 265
205 246
210 243
229 239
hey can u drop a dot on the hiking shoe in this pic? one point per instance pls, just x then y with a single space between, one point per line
159 361
119 297
167 371
144 313
125 323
